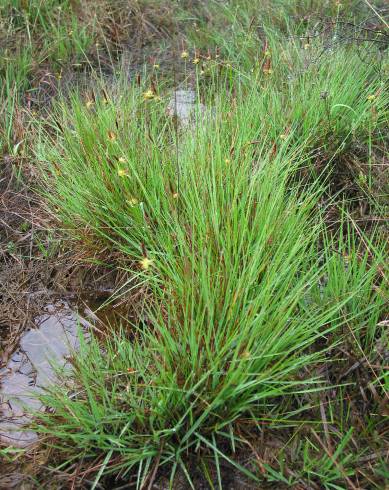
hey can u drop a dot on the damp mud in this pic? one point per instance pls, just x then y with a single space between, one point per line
43 351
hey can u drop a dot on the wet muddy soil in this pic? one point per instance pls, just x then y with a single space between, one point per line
33 366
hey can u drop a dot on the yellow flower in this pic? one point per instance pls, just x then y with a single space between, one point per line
145 263
122 172
283 136
156 66
185 55
175 195
132 202
148 95
122 160
89 104
196 61
227 161
307 46
371 97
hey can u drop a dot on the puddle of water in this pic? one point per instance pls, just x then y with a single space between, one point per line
183 104
30 369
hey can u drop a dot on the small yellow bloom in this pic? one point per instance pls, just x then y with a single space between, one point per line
89 104
122 160
148 95
371 97
307 46
283 136
185 55
145 263
196 61
156 66
175 195
122 172
227 161
133 202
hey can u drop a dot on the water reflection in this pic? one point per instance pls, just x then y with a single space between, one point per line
30 369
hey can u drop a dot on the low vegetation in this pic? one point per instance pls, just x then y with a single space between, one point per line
252 237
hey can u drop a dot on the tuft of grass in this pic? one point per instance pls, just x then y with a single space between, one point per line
227 240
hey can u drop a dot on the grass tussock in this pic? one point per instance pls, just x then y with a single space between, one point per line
246 293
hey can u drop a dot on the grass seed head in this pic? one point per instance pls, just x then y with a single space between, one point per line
122 172
133 201
148 95
145 263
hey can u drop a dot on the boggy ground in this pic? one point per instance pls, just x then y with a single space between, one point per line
125 58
